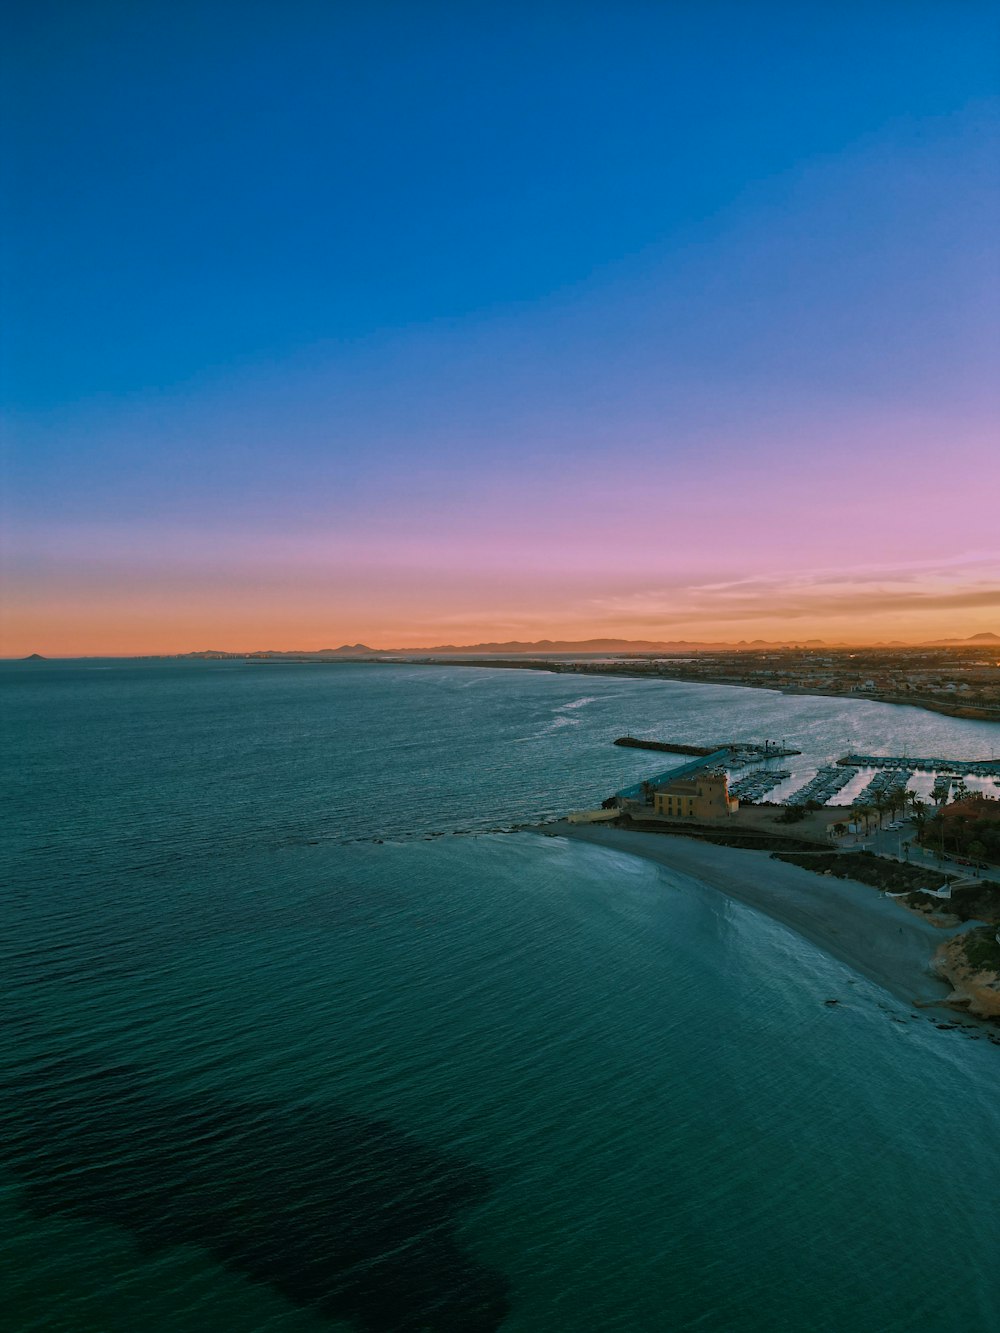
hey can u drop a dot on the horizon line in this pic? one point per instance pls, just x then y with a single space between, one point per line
524 647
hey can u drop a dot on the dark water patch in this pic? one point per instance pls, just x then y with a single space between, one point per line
341 1214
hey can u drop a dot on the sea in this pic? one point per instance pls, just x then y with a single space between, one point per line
302 1033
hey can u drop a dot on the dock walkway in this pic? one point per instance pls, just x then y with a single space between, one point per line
636 791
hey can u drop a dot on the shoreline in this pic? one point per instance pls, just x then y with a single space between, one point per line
943 708
852 922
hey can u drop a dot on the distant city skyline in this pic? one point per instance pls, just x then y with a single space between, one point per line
439 324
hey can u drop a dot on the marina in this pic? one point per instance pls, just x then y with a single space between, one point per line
888 786
978 768
825 785
756 785
854 779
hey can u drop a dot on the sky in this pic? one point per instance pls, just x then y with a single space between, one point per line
424 323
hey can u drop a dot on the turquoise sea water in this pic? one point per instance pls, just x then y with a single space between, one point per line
276 1057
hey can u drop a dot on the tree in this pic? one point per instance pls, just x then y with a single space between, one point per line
919 814
960 826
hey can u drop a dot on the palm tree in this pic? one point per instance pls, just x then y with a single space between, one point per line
960 829
919 814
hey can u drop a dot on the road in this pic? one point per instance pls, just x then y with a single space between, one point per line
901 844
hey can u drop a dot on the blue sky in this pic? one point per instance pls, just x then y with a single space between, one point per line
332 272
199 183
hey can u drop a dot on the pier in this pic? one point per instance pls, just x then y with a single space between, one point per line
638 789
735 754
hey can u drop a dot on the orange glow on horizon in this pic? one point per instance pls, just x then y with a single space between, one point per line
136 632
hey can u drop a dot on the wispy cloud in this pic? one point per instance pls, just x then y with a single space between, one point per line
915 589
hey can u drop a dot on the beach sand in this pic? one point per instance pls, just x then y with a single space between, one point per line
873 935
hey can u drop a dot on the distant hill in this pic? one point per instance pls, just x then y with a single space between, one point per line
974 640
35 657
518 647
580 647
545 646
555 646
347 650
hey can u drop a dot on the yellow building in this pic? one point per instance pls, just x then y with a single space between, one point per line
701 796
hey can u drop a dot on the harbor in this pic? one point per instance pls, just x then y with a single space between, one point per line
855 779
979 768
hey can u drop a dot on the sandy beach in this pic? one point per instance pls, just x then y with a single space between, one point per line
875 936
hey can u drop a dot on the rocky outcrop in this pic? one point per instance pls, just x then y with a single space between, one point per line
970 963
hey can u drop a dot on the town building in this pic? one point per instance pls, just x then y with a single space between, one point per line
697 797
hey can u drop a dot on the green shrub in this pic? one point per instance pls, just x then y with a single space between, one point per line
793 814
982 950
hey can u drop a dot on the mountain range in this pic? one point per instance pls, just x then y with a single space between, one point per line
547 647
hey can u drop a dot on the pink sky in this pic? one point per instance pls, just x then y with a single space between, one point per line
780 422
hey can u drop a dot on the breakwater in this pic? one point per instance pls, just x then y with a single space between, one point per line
745 752
668 747
639 790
